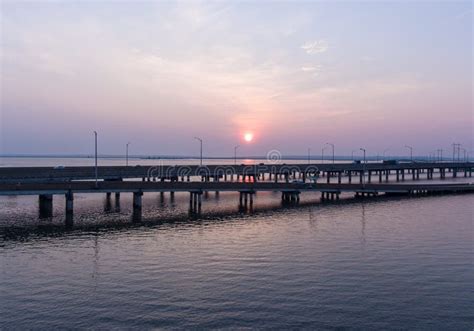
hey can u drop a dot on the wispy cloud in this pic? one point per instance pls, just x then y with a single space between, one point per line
463 14
315 47
313 69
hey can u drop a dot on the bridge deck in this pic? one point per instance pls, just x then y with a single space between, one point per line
22 174
138 186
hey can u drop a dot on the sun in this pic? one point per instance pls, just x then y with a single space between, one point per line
248 137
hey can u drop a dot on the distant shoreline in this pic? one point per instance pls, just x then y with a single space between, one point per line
176 157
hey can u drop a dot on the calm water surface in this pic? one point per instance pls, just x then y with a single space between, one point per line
379 264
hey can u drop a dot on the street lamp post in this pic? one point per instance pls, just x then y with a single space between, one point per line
363 169
126 154
96 170
200 141
235 154
440 154
332 145
456 146
363 149
411 152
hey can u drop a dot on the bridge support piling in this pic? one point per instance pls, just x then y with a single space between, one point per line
339 177
137 205
69 203
45 205
350 176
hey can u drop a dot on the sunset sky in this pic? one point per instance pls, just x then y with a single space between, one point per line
294 74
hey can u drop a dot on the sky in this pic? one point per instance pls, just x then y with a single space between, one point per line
295 75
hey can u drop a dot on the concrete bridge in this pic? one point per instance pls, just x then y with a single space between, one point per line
271 172
289 191
289 179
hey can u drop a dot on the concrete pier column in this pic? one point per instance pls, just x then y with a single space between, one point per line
380 176
137 205
69 203
361 176
398 175
45 205
387 173
350 176
251 199
339 177
417 173
369 176
199 201
108 202
328 177
413 174
403 174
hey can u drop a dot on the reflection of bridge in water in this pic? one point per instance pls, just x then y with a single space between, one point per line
290 180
